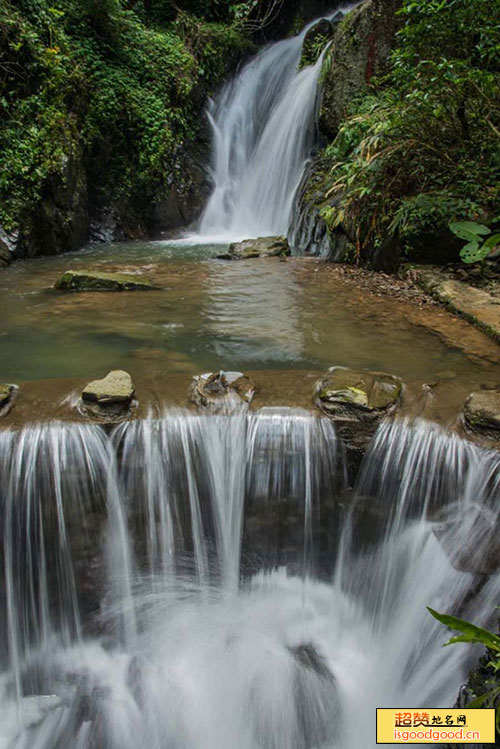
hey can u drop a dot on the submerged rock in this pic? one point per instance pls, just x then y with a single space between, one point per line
222 391
357 400
8 394
255 248
482 411
110 397
91 280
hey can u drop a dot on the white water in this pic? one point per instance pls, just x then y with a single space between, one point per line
241 603
264 127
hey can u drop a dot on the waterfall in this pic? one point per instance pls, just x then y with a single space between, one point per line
264 128
207 582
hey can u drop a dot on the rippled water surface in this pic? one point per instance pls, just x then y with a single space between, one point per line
210 314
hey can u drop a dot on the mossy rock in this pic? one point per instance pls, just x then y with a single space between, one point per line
357 401
74 280
347 391
116 387
109 400
250 249
316 40
482 411
8 394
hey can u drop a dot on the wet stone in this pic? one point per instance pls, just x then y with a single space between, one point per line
100 281
349 394
357 400
250 249
110 397
470 539
482 411
5 255
8 394
222 391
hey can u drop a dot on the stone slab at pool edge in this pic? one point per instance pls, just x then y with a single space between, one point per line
477 306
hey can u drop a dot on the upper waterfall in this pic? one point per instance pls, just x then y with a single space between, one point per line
264 127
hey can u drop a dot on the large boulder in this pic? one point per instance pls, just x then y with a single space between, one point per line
259 247
309 232
482 411
360 51
91 280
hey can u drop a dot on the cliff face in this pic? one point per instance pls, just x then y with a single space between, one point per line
59 221
359 51
104 129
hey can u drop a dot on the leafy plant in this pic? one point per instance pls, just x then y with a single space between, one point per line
421 148
115 82
477 635
478 247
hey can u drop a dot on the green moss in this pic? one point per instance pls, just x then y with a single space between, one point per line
102 281
371 390
421 148
94 77
5 391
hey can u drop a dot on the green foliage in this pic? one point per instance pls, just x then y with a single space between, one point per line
470 633
423 147
478 246
477 636
101 78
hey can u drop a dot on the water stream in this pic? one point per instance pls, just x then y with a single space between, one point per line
190 581
264 127
206 582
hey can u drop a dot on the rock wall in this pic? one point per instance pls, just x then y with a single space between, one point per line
60 221
359 51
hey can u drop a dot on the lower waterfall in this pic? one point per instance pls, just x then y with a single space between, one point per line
210 582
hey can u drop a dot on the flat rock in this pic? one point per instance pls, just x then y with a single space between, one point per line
482 410
116 388
74 280
260 247
477 306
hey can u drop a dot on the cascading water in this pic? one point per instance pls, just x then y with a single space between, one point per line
213 614
264 127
